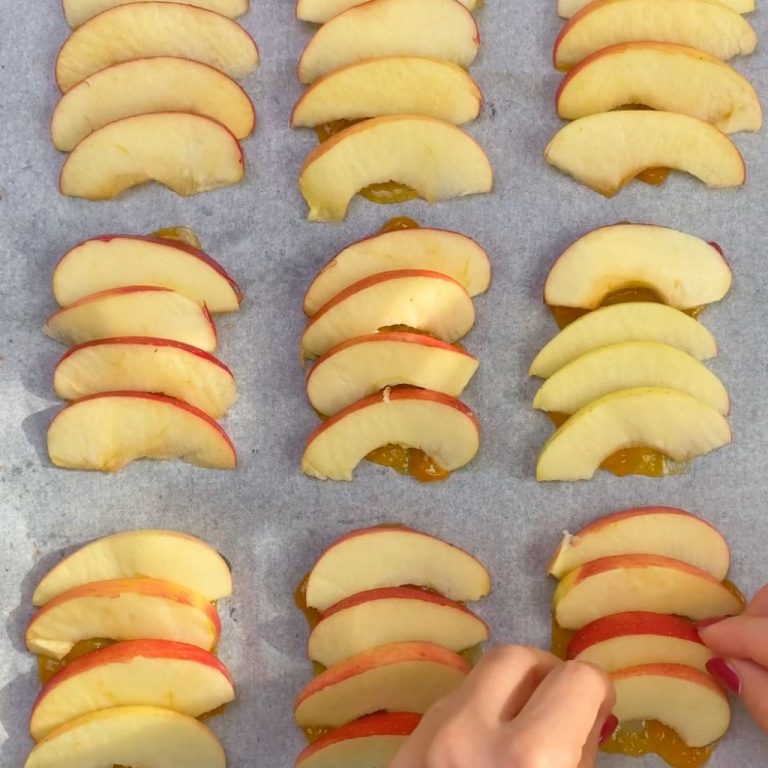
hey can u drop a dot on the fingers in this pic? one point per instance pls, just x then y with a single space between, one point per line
752 680
758 606
744 637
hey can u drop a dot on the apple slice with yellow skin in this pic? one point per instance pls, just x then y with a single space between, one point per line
439 425
404 677
707 25
426 301
79 11
394 85
640 583
435 250
154 737
140 364
664 531
683 698
156 554
116 261
155 84
321 11
435 29
622 366
393 615
436 159
568 8
158 673
123 609
186 153
669 421
139 30
394 556
134 310
605 151
638 637
362 366
663 76
620 323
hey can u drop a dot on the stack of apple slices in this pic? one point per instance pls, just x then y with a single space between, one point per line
149 95
385 314
388 78
140 374
630 585
628 375
390 628
145 601
666 61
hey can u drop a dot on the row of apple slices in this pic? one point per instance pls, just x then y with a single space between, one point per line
140 377
390 647
149 591
629 375
149 95
630 584
668 56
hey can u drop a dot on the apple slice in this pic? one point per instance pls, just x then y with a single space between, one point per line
683 270
360 367
436 250
704 24
439 425
568 8
686 699
663 76
638 637
436 159
606 151
153 737
393 615
156 554
394 556
134 310
623 366
320 11
139 30
404 677
371 740
640 583
426 301
434 29
671 422
158 84
619 323
186 153
663 531
394 85
123 609
79 11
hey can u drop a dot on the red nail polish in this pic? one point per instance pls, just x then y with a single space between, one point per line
608 729
721 670
704 623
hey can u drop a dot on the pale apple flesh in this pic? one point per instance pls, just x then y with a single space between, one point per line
568 8
79 11
320 11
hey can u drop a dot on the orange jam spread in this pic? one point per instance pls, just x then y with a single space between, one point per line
409 461
653 176
47 668
181 234
399 223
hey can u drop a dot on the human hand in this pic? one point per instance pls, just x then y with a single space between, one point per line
520 707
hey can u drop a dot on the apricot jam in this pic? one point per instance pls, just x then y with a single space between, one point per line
399 223
180 234
47 668
653 176
409 461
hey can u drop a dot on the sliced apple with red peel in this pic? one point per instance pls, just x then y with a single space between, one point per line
404 677
108 431
79 11
321 11
683 698
134 310
362 366
606 151
393 85
156 554
186 153
663 531
620 323
704 24
393 615
640 583
434 29
436 159
154 737
394 556
123 609
663 76
568 8
435 250
439 425
139 30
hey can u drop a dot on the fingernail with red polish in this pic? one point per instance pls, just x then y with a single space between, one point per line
704 623
721 670
608 729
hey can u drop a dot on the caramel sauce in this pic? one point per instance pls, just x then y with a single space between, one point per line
180 234
399 223
47 668
653 176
